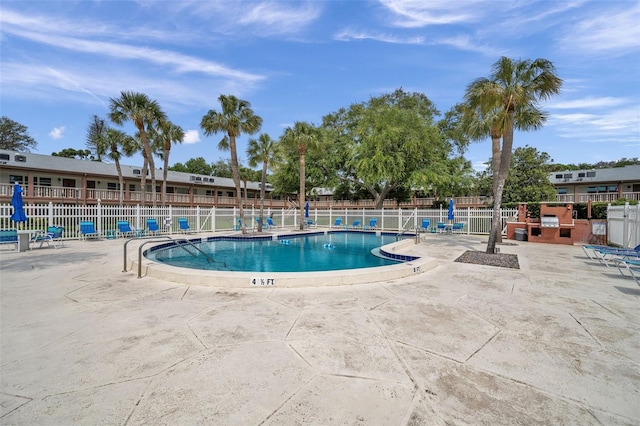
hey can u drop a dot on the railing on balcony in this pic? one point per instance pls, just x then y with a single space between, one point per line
605 197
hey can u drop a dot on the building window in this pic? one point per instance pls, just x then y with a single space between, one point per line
219 193
591 190
613 188
559 176
113 186
19 179
132 187
562 191
5 157
568 175
591 174
209 193
43 181
581 174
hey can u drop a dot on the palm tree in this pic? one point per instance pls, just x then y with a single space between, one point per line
302 137
261 150
236 118
94 133
115 144
144 113
164 136
508 100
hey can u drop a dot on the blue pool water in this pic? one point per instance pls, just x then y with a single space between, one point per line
305 253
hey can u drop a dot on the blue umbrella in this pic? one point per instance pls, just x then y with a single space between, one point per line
450 216
18 206
306 210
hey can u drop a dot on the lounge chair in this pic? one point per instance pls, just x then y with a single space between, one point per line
373 223
309 223
52 236
9 237
441 227
125 229
610 255
270 223
184 225
88 230
355 224
338 222
426 225
457 228
238 227
595 248
632 266
152 226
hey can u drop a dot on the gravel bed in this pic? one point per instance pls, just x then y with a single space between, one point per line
503 260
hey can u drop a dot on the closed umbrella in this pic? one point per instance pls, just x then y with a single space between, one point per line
450 216
306 210
18 206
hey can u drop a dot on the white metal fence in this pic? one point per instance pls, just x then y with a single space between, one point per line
624 225
105 218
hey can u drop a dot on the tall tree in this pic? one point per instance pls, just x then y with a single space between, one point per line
528 179
262 150
144 113
94 133
511 96
236 118
387 143
196 165
116 144
14 136
165 134
302 136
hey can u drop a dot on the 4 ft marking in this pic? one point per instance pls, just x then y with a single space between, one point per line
263 281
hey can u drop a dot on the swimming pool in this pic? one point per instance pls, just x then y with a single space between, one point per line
338 250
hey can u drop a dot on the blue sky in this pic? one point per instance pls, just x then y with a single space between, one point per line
62 61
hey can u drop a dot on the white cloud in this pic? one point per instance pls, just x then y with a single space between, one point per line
420 13
191 137
348 35
589 102
57 132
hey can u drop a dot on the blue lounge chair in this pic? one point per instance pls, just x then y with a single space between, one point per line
373 223
610 255
184 225
309 223
52 236
355 224
125 229
426 225
88 230
632 266
264 225
595 248
152 226
457 228
9 237
270 223
338 223
441 227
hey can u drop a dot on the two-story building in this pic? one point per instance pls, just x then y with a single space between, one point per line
580 186
63 180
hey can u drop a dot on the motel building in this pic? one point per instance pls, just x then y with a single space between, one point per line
61 180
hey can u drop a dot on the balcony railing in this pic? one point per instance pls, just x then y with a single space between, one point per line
605 197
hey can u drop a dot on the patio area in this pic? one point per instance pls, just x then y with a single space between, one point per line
554 342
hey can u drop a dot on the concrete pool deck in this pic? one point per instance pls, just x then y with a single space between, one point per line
555 342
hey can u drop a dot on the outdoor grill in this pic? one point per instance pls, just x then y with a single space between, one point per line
549 222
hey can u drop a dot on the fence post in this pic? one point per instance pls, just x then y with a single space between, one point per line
99 214
625 226
468 220
50 214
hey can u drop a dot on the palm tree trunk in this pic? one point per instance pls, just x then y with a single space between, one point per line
495 166
121 181
503 173
302 188
164 177
236 180
262 191
143 181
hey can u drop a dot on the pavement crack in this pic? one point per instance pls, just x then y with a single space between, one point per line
482 347
586 330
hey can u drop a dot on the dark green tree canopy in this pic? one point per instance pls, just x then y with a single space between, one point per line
195 165
15 137
78 154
